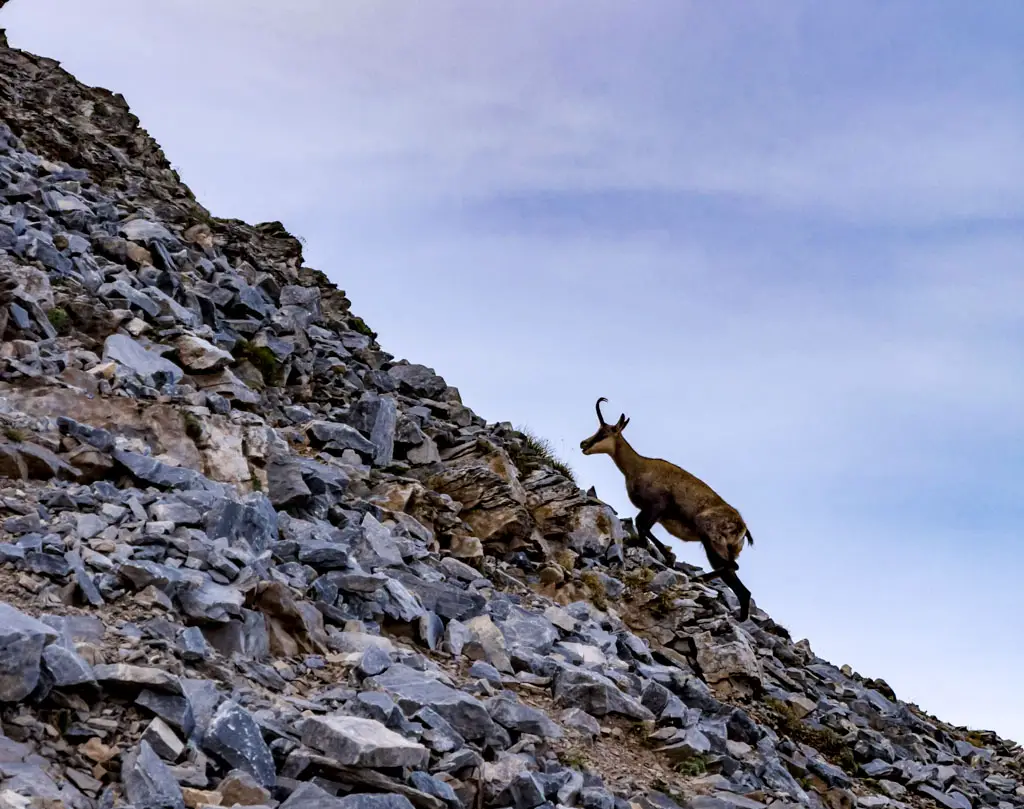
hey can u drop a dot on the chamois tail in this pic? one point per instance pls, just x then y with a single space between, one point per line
750 537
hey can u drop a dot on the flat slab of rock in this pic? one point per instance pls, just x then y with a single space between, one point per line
141 676
357 742
149 365
413 690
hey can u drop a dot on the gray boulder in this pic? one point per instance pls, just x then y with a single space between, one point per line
22 640
358 742
414 690
595 694
148 783
148 365
234 736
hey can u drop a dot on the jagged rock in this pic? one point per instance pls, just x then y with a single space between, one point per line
66 667
234 736
158 473
352 741
374 661
521 718
950 800
418 380
581 721
440 597
22 640
527 630
728 664
414 690
163 740
239 788
492 506
693 744
526 791
211 602
595 694
311 796
198 355
498 775
296 481
336 437
376 547
377 417
251 518
486 643
374 801
150 366
486 671
146 232
436 787
176 711
148 784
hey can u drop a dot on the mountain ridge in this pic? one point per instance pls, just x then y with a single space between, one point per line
249 554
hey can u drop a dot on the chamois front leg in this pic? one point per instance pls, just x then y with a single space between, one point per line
644 523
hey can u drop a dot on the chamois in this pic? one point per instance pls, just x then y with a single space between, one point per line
685 506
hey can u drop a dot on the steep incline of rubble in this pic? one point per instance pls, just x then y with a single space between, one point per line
247 558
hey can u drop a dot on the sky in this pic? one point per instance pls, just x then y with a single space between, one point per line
784 238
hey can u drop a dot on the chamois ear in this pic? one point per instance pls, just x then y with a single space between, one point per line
623 421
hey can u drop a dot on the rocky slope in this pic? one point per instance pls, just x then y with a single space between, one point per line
247 558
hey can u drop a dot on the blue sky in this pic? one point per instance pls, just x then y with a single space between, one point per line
784 238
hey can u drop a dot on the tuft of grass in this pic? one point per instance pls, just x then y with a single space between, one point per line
566 559
598 593
665 602
15 435
59 319
255 482
264 360
692 767
193 425
575 759
638 578
534 452
825 740
357 324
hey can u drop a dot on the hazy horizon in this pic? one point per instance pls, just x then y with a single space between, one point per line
785 241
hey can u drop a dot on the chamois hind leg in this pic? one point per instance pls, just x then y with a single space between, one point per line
644 523
726 569
742 593
720 565
716 530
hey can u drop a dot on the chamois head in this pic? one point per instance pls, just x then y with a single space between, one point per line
605 438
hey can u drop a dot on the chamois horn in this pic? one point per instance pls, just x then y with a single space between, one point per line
600 417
